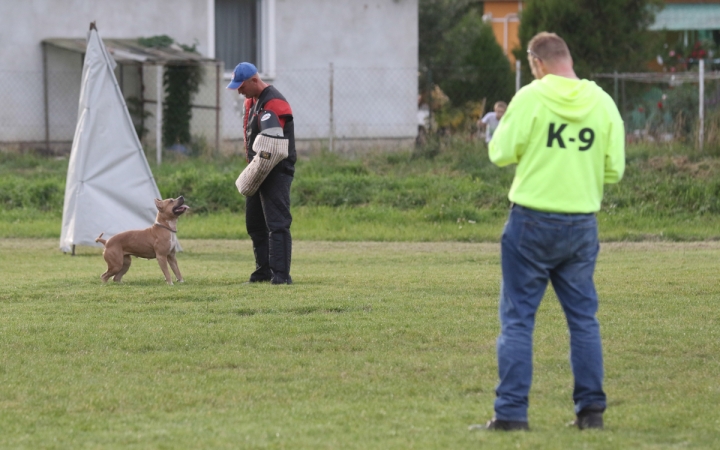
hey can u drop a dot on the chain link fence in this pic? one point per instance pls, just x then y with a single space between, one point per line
41 108
338 106
666 106
656 106
341 105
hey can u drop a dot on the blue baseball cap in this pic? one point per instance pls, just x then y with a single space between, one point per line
242 72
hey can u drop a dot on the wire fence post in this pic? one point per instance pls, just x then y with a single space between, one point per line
430 99
332 118
158 115
45 97
701 103
517 75
218 75
615 87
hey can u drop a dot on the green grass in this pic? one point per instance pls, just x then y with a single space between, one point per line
669 193
376 345
385 224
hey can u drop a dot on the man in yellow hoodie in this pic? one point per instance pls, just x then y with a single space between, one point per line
568 140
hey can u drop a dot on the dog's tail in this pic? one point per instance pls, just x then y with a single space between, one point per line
100 239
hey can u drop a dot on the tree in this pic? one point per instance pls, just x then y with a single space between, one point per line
436 17
603 35
460 54
182 82
472 64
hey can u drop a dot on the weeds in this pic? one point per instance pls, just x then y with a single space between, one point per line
447 179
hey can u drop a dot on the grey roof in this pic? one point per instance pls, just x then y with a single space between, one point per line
688 16
129 50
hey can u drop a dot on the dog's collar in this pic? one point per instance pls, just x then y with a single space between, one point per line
163 226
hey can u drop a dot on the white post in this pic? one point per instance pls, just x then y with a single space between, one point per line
332 118
701 102
267 44
517 75
158 115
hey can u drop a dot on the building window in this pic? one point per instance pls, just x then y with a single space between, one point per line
238 32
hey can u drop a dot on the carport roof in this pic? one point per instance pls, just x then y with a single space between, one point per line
129 50
688 16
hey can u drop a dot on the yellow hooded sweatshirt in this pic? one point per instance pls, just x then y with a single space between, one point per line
568 140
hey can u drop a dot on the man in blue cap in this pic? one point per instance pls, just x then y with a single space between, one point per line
267 212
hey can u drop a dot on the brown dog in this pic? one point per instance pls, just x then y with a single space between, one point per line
158 241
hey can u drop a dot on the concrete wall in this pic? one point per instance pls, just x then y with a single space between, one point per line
25 23
373 46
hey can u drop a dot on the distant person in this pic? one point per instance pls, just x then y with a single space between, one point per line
267 212
490 121
567 138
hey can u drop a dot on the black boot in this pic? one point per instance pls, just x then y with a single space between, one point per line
280 254
590 417
261 249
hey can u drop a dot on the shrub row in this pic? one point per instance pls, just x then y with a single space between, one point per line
456 182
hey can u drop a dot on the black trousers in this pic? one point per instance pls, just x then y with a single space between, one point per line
268 219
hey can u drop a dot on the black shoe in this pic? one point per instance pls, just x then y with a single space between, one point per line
590 417
277 279
502 425
258 279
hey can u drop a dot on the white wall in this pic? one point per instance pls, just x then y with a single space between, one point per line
25 23
351 33
373 46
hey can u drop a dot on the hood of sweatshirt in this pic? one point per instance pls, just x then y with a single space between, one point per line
568 98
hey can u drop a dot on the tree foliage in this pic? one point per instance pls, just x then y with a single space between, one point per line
461 53
603 35
181 83
474 66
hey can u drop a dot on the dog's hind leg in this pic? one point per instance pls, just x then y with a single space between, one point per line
106 276
127 260
114 260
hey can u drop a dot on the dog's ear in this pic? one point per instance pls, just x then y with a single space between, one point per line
158 203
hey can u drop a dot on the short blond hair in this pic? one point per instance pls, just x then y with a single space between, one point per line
548 47
500 104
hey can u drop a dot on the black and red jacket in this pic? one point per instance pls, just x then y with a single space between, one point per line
270 99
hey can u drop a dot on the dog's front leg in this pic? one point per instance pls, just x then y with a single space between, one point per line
174 266
163 262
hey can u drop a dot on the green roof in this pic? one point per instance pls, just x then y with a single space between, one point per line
693 16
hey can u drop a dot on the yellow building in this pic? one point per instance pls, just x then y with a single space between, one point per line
504 16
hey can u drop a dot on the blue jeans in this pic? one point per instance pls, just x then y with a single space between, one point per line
562 248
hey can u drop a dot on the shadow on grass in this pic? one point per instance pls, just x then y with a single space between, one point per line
303 310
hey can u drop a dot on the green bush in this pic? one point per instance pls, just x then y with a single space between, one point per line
216 192
458 184
332 190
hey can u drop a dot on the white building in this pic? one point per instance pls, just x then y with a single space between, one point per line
371 46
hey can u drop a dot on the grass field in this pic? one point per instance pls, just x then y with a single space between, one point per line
377 345
668 193
390 225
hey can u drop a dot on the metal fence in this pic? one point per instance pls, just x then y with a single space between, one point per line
337 105
332 105
40 109
666 106
655 106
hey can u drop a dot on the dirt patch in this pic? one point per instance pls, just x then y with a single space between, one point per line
661 245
